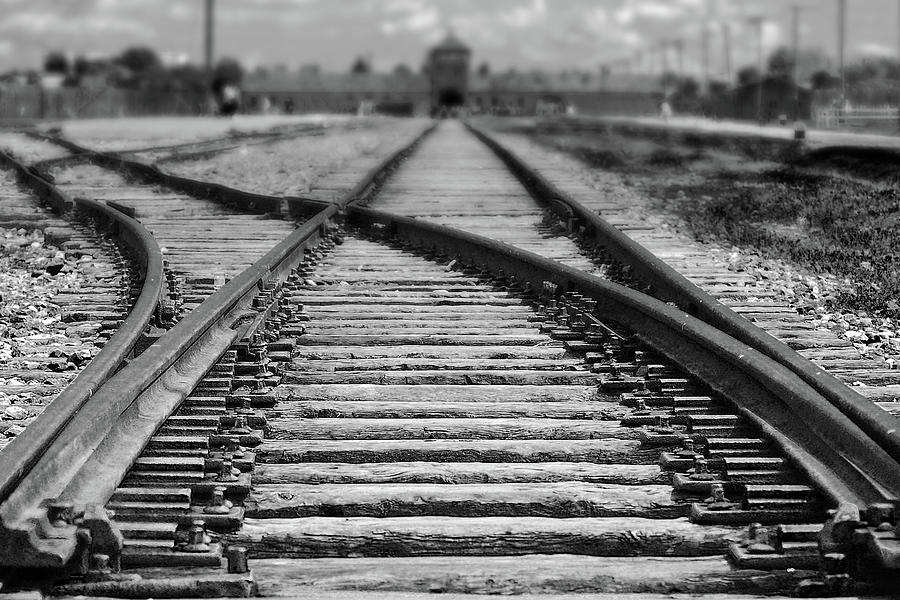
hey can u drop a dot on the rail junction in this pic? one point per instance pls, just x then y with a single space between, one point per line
443 374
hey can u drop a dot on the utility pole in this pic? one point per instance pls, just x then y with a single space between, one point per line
842 31
709 16
705 50
726 42
679 55
795 57
208 40
757 22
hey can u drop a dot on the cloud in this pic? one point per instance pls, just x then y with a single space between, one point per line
414 21
48 23
876 49
527 15
555 34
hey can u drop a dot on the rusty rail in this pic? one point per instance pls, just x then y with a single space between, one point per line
669 285
21 457
14 461
824 443
72 476
234 198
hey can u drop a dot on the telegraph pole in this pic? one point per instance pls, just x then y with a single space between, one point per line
757 21
679 55
208 40
795 54
842 31
705 50
726 42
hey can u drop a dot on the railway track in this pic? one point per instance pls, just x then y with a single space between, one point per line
739 290
204 243
91 276
404 407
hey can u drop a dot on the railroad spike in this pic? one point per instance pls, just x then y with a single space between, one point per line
218 505
197 539
227 473
718 501
700 470
60 513
237 560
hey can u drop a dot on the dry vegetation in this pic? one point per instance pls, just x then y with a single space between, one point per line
812 215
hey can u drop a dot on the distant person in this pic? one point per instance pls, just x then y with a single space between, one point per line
665 110
231 100
265 105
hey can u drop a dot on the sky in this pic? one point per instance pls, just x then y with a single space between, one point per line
525 34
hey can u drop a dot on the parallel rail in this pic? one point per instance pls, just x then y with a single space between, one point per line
665 283
234 198
826 432
20 458
825 443
82 450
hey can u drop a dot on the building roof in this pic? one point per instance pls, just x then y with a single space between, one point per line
451 43
375 83
305 81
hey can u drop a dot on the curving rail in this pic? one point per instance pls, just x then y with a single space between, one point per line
52 514
234 198
669 285
830 449
79 469
19 459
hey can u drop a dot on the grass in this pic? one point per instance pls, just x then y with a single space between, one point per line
811 214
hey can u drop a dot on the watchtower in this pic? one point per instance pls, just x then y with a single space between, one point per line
448 70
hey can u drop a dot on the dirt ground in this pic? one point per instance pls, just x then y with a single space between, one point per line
133 132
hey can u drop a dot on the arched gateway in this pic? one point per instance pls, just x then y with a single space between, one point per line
448 71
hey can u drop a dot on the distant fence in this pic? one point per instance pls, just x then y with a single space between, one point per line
875 118
34 102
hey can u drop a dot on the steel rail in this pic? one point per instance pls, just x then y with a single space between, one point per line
82 466
824 443
669 285
21 456
78 470
232 197
150 268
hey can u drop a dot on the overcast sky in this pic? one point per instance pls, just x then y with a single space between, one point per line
527 34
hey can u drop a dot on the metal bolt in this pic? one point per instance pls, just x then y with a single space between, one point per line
687 448
761 543
718 501
100 563
244 406
218 505
197 540
240 426
227 473
701 470
237 559
60 514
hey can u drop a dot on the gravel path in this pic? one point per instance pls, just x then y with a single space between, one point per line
136 132
42 349
320 166
28 149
